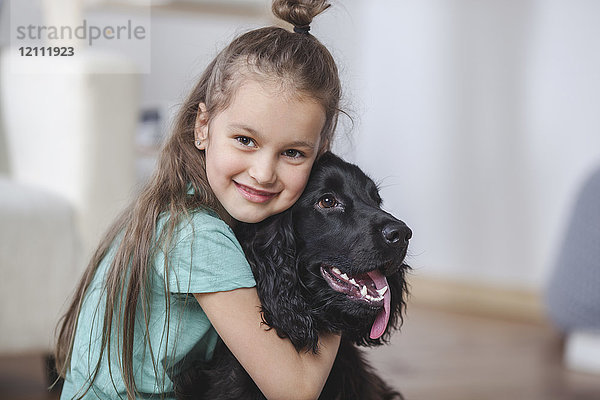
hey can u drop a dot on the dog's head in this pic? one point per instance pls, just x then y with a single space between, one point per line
352 251
333 262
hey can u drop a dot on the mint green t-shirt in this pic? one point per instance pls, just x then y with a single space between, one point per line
205 257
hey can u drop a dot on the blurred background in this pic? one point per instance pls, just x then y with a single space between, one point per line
479 119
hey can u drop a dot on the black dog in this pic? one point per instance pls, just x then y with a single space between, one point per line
334 262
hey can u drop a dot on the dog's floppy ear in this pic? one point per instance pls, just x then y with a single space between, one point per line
270 248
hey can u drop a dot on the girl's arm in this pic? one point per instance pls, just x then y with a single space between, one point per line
278 370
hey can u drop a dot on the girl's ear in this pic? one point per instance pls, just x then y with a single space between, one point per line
201 127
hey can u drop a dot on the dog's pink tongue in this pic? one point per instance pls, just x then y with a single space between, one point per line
383 317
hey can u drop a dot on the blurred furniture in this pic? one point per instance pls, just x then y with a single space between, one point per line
67 147
573 293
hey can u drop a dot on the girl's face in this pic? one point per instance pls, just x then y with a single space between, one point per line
260 149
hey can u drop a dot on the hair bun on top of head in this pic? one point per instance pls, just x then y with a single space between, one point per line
299 13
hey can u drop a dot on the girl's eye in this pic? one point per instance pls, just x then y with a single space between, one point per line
246 141
293 153
328 201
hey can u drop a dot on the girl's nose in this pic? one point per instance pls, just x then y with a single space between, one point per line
263 171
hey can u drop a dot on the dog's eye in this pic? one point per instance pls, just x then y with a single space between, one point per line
328 202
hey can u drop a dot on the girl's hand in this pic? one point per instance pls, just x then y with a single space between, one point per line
273 363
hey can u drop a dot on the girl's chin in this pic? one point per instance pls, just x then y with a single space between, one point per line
249 218
252 213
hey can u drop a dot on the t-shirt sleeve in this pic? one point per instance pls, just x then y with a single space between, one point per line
208 258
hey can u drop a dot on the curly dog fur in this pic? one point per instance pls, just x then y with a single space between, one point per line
337 222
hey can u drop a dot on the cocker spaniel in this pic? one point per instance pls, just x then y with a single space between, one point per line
334 262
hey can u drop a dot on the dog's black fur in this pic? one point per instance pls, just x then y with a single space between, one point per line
337 222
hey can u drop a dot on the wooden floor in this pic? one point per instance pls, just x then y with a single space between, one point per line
437 356
446 356
24 378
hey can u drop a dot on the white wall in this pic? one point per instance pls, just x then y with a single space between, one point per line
481 120
182 44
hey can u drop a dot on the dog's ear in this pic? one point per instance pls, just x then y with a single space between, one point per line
270 248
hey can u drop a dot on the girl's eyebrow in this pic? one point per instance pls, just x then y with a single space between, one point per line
246 128
254 133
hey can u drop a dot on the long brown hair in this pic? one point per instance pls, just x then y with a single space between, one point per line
297 60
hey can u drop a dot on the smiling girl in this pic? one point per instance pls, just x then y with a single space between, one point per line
170 276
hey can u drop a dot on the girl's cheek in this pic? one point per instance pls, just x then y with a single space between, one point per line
300 180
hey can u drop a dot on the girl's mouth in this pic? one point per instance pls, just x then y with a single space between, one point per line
254 195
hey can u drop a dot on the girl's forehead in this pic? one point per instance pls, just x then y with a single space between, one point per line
264 109
271 94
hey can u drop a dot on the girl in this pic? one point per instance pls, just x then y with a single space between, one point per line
170 277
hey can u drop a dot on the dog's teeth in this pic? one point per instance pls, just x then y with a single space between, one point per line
336 270
363 291
382 290
344 276
371 298
352 281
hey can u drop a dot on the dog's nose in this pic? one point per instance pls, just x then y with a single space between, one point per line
396 234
